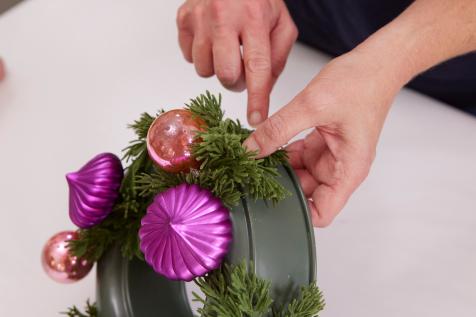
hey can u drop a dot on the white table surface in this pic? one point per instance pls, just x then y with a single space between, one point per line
80 70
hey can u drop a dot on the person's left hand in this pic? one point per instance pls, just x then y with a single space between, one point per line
346 105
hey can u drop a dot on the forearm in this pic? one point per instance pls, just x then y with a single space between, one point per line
426 34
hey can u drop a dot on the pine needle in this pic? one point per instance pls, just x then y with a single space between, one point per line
90 311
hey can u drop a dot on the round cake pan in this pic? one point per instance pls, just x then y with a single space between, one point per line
277 238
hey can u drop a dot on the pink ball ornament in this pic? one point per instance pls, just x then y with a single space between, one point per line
59 264
170 139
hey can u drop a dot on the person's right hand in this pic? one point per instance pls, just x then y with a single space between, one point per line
210 35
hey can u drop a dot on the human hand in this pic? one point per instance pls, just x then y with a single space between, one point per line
210 35
346 105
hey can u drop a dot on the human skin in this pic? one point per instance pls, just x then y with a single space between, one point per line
347 101
2 70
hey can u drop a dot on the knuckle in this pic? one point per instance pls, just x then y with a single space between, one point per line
204 71
198 12
318 101
227 75
220 30
274 128
217 10
257 62
182 14
307 101
200 44
255 10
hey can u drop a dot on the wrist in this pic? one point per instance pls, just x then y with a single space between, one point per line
424 35
391 56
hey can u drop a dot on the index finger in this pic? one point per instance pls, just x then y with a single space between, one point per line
257 62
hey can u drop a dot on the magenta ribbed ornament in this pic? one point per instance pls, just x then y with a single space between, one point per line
185 233
94 189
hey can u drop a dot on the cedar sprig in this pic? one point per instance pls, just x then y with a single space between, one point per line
207 107
158 180
90 311
236 291
141 126
308 304
233 291
230 166
115 229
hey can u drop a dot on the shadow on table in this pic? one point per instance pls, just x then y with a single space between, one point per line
7 4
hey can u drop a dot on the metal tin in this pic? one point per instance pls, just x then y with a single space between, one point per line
279 239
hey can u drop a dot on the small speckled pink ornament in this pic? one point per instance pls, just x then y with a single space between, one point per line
58 262
170 139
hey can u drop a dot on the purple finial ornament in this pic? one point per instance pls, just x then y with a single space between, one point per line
94 189
185 233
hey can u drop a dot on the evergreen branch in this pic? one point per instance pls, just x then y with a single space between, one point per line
207 107
158 180
280 157
229 167
233 291
90 311
142 125
308 304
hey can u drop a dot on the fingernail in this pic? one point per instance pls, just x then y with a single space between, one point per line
255 118
251 145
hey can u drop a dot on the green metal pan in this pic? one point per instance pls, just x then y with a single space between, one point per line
279 239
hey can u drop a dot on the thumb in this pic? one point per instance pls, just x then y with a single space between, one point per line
281 127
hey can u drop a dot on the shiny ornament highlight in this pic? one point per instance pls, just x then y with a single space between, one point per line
94 189
170 138
185 233
59 263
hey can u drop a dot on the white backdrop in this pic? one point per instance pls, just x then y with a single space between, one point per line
80 70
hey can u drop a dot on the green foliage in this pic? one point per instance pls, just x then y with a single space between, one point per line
90 311
208 108
235 291
309 303
228 170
